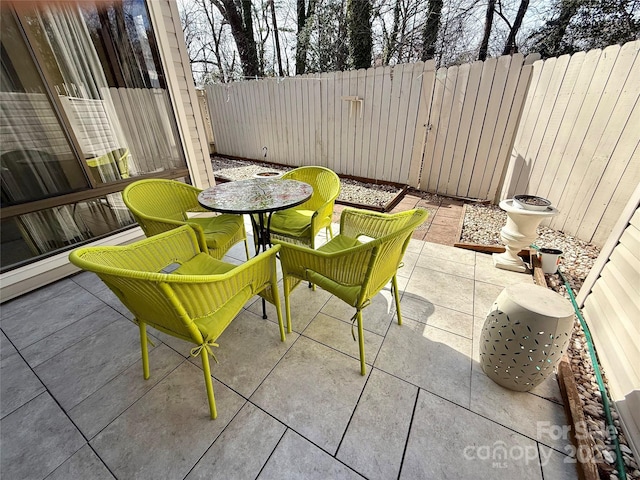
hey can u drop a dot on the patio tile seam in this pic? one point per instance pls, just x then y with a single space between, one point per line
222 431
437 327
438 305
473 411
130 405
80 340
86 442
20 309
92 312
346 322
340 351
406 443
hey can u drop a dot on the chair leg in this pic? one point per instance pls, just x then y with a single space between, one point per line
363 367
287 305
246 247
329 232
209 384
396 296
145 350
276 302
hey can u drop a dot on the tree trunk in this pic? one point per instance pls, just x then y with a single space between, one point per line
392 40
302 40
276 37
510 46
360 38
430 32
342 48
553 42
484 45
241 24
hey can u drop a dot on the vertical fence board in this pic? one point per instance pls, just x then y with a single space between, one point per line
376 107
443 164
497 102
310 124
407 123
422 120
585 65
324 139
404 107
469 180
621 175
466 89
274 95
384 124
412 122
580 131
546 124
614 109
513 100
360 162
619 198
560 114
431 165
351 123
331 122
547 98
288 96
390 132
367 122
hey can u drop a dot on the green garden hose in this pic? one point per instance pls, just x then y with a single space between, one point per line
603 392
596 367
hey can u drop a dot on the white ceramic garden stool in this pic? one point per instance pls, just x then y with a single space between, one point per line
525 334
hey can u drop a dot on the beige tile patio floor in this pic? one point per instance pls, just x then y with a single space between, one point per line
74 404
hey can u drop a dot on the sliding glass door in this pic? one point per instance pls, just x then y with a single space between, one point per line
84 110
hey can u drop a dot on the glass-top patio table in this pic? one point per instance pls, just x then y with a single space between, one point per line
258 197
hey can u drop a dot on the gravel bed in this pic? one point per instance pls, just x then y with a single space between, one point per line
482 224
351 191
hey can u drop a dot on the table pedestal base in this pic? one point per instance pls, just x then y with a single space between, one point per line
261 237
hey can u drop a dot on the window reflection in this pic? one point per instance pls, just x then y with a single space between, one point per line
36 159
84 104
109 86
36 234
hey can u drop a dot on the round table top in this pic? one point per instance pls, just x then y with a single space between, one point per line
256 195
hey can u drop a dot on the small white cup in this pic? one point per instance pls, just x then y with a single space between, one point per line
550 259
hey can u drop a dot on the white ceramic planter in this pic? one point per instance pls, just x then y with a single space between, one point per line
518 233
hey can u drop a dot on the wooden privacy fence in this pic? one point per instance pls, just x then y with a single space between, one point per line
567 129
381 123
578 142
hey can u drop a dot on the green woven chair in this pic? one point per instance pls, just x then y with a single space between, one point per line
160 205
356 264
113 165
301 224
195 301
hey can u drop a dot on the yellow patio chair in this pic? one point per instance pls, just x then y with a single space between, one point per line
118 158
160 205
356 264
301 224
169 282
